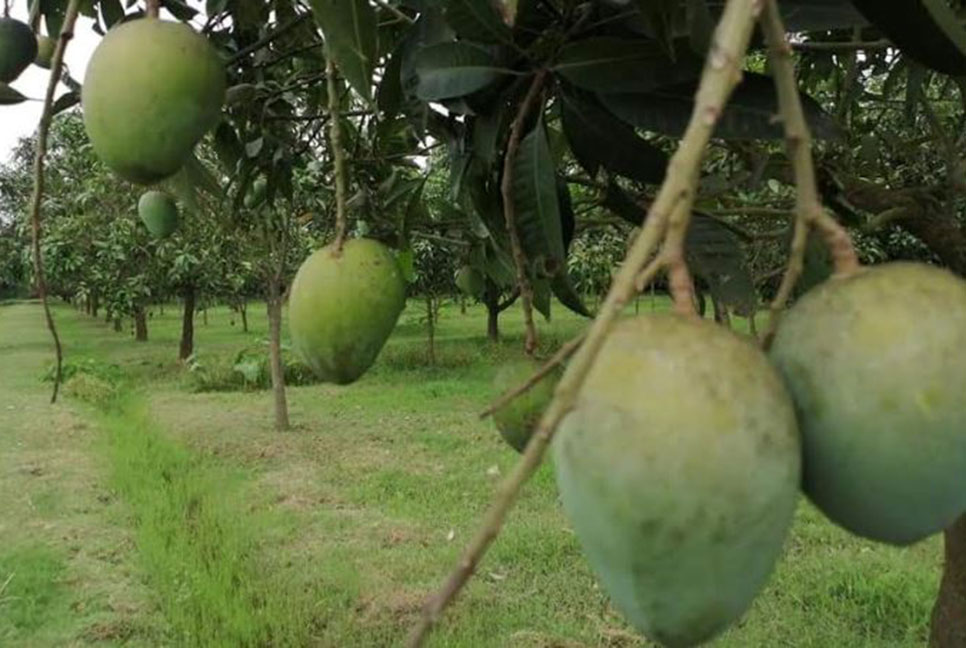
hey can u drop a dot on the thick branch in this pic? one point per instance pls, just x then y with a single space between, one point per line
153 9
338 154
510 210
57 64
721 73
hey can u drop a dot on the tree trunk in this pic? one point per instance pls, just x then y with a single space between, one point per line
949 613
95 304
204 316
243 311
140 325
88 308
275 353
431 330
493 322
161 309
188 325
117 325
462 304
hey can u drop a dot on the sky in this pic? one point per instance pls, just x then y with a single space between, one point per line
21 120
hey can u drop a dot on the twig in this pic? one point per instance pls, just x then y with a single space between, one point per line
66 33
153 8
338 155
556 360
721 74
679 277
842 46
510 211
808 205
395 11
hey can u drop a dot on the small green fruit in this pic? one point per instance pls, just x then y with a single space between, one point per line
470 281
151 91
342 308
159 213
45 51
517 420
875 365
18 48
679 468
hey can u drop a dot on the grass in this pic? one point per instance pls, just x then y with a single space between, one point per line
332 534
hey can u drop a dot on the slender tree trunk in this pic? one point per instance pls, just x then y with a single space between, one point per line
188 324
431 329
462 304
140 325
204 316
275 353
493 322
949 613
117 325
95 304
243 310
87 305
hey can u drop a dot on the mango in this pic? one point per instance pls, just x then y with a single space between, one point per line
159 213
342 308
679 469
152 89
876 366
470 281
18 48
517 420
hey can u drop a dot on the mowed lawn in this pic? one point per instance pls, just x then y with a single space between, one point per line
171 517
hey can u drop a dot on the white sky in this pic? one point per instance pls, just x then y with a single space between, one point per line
21 119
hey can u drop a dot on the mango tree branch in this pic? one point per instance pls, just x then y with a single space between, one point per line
510 210
338 154
56 65
153 9
721 74
808 206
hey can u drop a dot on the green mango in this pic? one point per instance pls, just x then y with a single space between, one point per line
18 48
159 213
152 90
470 281
342 308
518 419
679 468
45 51
875 365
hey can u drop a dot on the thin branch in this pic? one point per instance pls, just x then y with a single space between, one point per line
338 154
842 46
721 74
56 65
679 277
395 11
809 210
555 361
510 209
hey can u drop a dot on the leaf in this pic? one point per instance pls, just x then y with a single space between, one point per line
64 102
453 70
477 20
607 64
9 96
597 138
566 294
715 255
928 31
254 147
179 9
349 28
820 15
111 12
621 204
541 296
534 192
749 114
389 94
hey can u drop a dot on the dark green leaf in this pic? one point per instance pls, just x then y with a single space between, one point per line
179 9
389 95
111 12
541 296
65 101
477 20
534 191
606 64
929 31
9 96
750 113
349 27
597 138
565 292
453 70
716 256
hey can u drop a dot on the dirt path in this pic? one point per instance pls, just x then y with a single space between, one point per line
68 575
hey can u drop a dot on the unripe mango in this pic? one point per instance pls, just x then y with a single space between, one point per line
470 281
151 91
518 419
876 366
679 468
159 213
343 306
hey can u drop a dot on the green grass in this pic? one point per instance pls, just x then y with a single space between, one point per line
332 534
